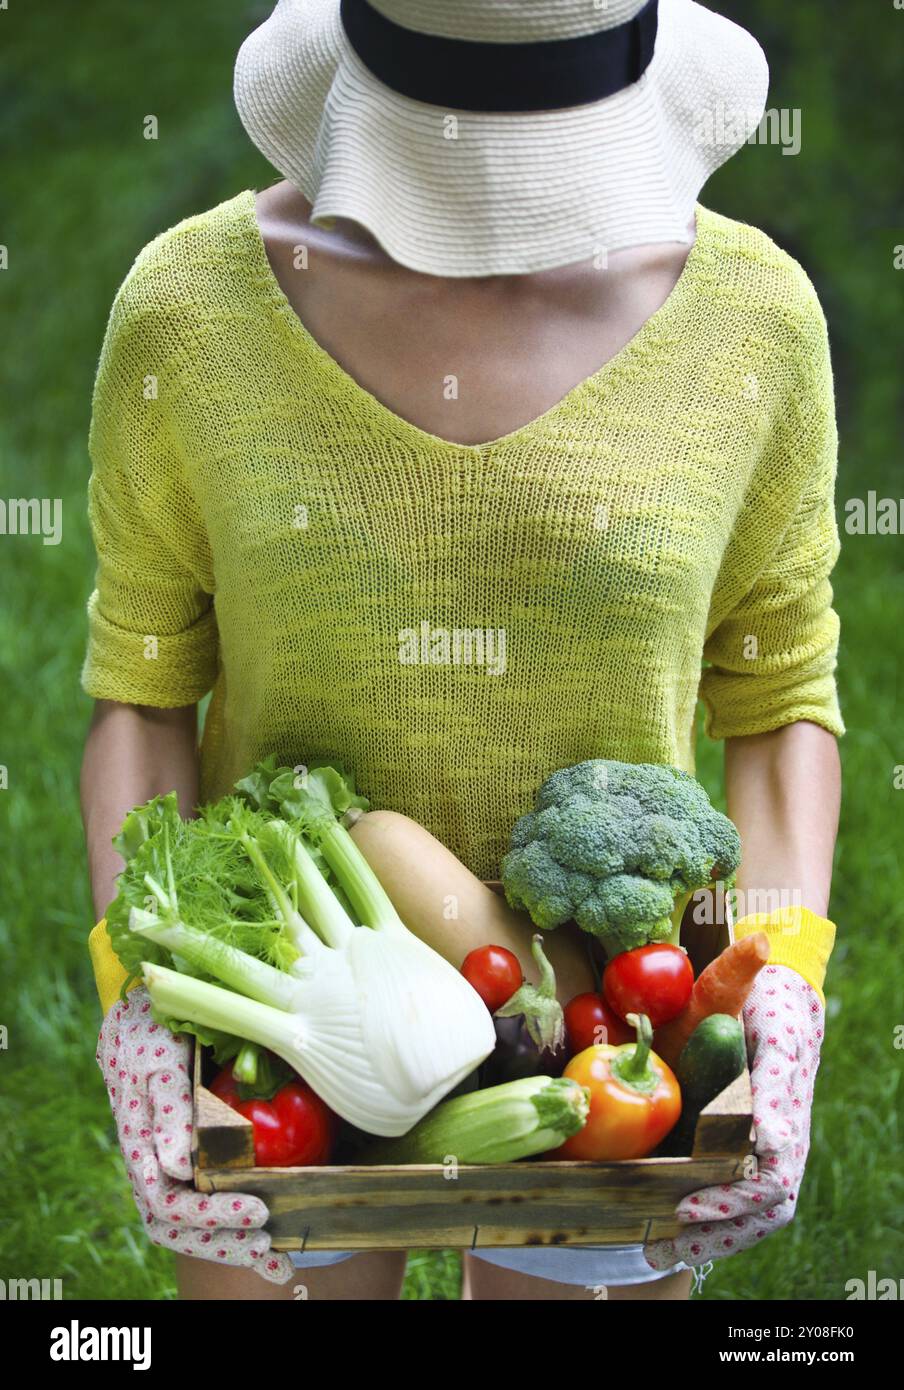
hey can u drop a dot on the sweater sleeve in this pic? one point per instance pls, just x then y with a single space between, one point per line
772 655
152 636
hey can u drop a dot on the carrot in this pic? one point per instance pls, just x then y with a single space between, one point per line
721 988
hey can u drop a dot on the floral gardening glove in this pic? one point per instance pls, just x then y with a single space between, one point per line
145 1067
783 1025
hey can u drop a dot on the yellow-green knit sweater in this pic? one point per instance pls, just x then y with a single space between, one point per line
268 529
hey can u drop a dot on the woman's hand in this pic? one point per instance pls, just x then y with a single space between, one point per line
145 1068
783 1025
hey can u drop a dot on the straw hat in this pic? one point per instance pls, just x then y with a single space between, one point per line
490 137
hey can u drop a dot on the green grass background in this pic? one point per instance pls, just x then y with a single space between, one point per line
81 192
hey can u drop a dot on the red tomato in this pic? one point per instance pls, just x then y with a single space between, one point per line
589 1021
494 972
293 1130
653 980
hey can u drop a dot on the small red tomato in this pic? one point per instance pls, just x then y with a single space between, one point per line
494 972
654 980
589 1021
295 1129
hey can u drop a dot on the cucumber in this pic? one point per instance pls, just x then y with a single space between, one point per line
714 1055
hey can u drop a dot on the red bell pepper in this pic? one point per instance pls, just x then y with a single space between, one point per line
294 1129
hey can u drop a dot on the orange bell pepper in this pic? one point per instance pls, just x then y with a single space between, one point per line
635 1099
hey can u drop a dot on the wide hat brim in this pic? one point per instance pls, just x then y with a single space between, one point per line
468 194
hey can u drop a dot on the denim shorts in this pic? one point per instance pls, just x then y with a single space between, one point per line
589 1265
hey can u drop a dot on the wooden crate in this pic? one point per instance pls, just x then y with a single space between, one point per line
528 1203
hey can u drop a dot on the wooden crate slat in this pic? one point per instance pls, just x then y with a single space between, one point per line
504 1204
221 1138
228 1136
725 1126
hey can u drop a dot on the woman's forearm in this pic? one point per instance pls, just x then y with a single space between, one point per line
784 791
131 754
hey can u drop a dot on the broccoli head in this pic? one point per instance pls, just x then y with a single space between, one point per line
617 848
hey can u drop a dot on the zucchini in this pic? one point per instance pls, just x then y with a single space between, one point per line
495 1125
713 1057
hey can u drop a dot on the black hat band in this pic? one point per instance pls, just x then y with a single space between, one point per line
471 75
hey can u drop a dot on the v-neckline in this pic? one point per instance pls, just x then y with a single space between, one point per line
266 279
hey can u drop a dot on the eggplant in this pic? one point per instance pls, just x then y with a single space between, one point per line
530 1030
516 1055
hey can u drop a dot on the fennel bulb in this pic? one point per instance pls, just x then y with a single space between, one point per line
376 1022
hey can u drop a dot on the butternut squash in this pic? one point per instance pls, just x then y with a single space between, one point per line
448 907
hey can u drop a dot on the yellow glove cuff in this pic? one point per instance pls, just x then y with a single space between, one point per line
109 974
798 938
